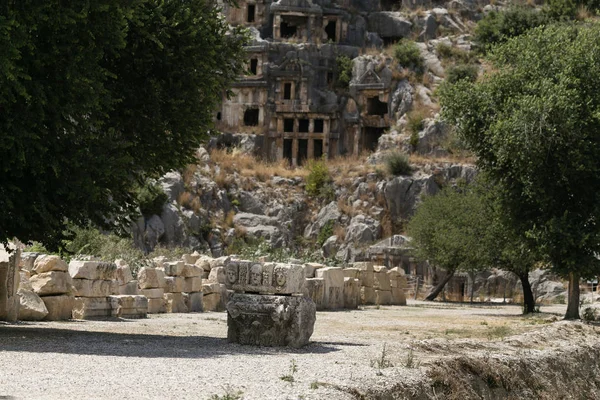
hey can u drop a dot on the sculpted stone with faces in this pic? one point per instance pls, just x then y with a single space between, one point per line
279 276
232 273
256 275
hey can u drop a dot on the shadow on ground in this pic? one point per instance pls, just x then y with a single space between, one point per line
52 340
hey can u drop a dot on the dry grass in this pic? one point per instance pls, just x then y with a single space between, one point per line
340 232
345 169
229 219
189 201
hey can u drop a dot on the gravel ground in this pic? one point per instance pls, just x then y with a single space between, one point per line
187 355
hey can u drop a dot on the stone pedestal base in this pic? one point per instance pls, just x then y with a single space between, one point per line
264 320
9 284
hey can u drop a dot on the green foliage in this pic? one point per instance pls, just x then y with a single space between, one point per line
397 163
533 125
590 314
99 96
382 361
561 9
499 26
318 177
325 232
151 199
289 377
344 71
459 72
448 52
408 55
416 121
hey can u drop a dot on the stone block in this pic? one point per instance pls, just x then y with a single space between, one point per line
124 275
315 290
9 283
31 306
93 270
334 287
174 284
91 307
261 320
130 288
211 301
351 293
217 275
208 288
51 283
204 263
157 306
156 293
92 288
190 258
28 260
193 301
310 268
381 281
149 278
129 306
247 276
380 268
193 284
192 271
48 263
174 268
219 262
367 295
175 303
366 273
351 273
383 297
398 296
333 276
59 308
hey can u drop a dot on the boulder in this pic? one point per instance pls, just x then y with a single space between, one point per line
389 24
93 270
47 263
330 247
172 184
270 320
28 260
59 308
24 282
31 306
363 230
330 212
51 283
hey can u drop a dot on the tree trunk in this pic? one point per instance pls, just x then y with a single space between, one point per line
573 305
528 300
440 286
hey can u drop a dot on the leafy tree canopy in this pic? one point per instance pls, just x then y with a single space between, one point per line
98 96
534 125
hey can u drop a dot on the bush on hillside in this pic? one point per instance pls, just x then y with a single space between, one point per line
408 55
459 72
151 199
318 178
398 164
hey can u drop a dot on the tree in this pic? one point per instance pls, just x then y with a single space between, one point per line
446 230
96 98
465 230
534 125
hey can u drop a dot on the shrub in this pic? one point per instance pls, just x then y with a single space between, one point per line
344 71
408 54
151 198
462 71
318 177
590 314
446 51
414 140
397 164
325 232
498 27
415 121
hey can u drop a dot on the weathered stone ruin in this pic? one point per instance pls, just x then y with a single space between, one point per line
9 284
268 308
294 101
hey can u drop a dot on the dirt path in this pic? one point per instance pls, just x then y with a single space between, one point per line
187 355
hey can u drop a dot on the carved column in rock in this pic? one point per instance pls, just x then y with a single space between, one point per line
9 284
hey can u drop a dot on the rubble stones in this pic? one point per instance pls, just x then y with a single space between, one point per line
31 306
270 320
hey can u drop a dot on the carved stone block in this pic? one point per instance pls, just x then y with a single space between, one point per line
262 320
267 278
